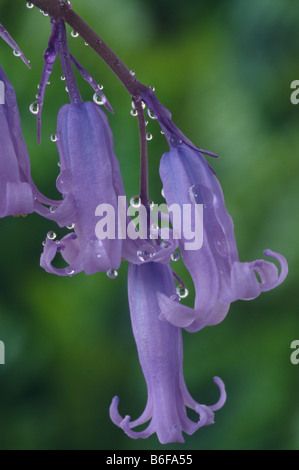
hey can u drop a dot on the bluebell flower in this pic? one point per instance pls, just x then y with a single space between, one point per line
218 275
160 351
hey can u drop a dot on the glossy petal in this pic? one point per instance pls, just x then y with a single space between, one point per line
19 193
218 276
160 352
90 176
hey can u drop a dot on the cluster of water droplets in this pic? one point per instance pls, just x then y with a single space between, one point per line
98 99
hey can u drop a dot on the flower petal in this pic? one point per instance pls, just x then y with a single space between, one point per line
245 284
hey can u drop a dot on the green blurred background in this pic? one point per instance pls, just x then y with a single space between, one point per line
224 69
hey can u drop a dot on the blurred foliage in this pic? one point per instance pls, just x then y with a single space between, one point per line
224 69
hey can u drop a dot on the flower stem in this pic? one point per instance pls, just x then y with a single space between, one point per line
59 9
144 193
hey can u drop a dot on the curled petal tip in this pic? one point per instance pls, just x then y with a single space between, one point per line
206 415
221 402
283 264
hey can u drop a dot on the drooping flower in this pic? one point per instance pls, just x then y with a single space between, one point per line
160 351
89 176
19 193
218 275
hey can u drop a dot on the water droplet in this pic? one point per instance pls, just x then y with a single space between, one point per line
53 138
162 132
62 78
52 209
29 5
112 273
134 112
132 72
162 193
70 227
34 107
66 89
51 235
200 194
150 114
154 228
135 201
98 99
165 244
43 13
69 271
182 292
152 88
44 242
221 246
149 136
146 252
74 34
175 256
86 44
64 181
16 53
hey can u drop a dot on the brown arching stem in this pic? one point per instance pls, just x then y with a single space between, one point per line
62 10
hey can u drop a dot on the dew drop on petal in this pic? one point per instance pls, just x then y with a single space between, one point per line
98 99
53 138
112 273
70 227
165 244
182 292
62 78
69 271
29 5
221 246
154 228
34 107
150 114
175 256
74 34
51 235
200 194
146 252
162 193
132 73
135 201
152 88
16 53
